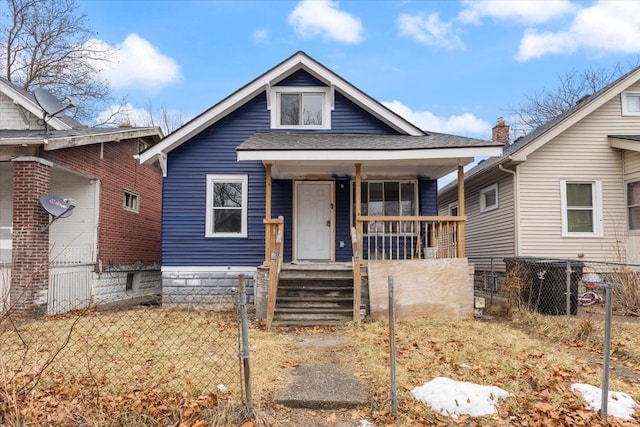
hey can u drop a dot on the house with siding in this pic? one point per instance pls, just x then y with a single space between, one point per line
568 189
108 249
310 189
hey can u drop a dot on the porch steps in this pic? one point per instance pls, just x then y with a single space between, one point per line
314 295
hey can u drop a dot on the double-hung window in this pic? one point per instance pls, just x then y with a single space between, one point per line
581 203
633 205
489 198
226 206
386 198
300 107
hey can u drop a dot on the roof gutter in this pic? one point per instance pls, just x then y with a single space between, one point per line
516 207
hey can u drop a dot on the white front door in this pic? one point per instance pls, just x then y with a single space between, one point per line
314 225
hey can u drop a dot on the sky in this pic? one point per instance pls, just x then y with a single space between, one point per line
446 66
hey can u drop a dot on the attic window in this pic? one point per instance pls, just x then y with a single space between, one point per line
631 103
301 108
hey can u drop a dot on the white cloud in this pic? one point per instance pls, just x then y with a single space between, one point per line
529 11
429 30
139 64
535 45
322 18
260 36
607 26
464 124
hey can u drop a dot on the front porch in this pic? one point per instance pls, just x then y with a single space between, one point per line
419 249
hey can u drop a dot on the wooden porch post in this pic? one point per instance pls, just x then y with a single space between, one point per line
460 233
356 262
267 214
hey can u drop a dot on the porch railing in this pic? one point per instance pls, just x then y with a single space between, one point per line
357 277
410 237
274 242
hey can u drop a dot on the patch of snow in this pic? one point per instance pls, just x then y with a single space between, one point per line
619 404
366 423
455 398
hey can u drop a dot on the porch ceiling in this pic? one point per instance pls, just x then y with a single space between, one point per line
295 155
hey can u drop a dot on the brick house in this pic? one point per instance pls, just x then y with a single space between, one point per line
108 249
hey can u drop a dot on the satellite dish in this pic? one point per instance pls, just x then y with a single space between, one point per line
48 102
57 207
51 106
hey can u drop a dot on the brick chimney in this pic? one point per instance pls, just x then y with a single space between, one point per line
500 132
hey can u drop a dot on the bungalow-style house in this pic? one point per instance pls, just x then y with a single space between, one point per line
106 247
568 189
315 192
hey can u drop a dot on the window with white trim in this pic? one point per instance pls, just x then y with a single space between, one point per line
489 198
300 107
226 206
130 201
453 208
385 198
633 205
581 203
630 103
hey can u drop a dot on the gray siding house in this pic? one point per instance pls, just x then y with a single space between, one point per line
568 189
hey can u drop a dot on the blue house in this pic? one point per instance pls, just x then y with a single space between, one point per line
300 181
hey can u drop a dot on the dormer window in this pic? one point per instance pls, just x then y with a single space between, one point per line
300 108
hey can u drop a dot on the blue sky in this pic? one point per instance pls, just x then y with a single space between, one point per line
448 66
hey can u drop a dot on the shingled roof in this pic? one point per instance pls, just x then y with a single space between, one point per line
277 141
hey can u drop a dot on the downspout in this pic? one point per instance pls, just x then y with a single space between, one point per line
516 207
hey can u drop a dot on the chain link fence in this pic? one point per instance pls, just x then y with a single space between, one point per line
187 351
558 286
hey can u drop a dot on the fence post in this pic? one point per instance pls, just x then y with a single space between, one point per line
568 291
392 348
245 344
607 350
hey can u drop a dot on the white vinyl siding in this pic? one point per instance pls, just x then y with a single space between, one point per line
582 153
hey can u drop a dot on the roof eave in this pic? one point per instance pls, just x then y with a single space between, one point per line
579 114
297 61
370 155
31 106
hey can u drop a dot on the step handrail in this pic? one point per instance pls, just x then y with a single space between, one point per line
276 252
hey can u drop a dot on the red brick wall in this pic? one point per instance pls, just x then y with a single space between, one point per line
30 253
124 237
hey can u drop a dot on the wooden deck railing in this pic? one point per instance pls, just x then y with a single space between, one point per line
410 237
274 242
357 277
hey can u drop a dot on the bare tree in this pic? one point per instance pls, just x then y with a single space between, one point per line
47 43
166 118
573 86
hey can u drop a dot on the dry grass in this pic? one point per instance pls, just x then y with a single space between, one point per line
479 352
73 390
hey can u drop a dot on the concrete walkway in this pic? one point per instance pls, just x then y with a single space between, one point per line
324 381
